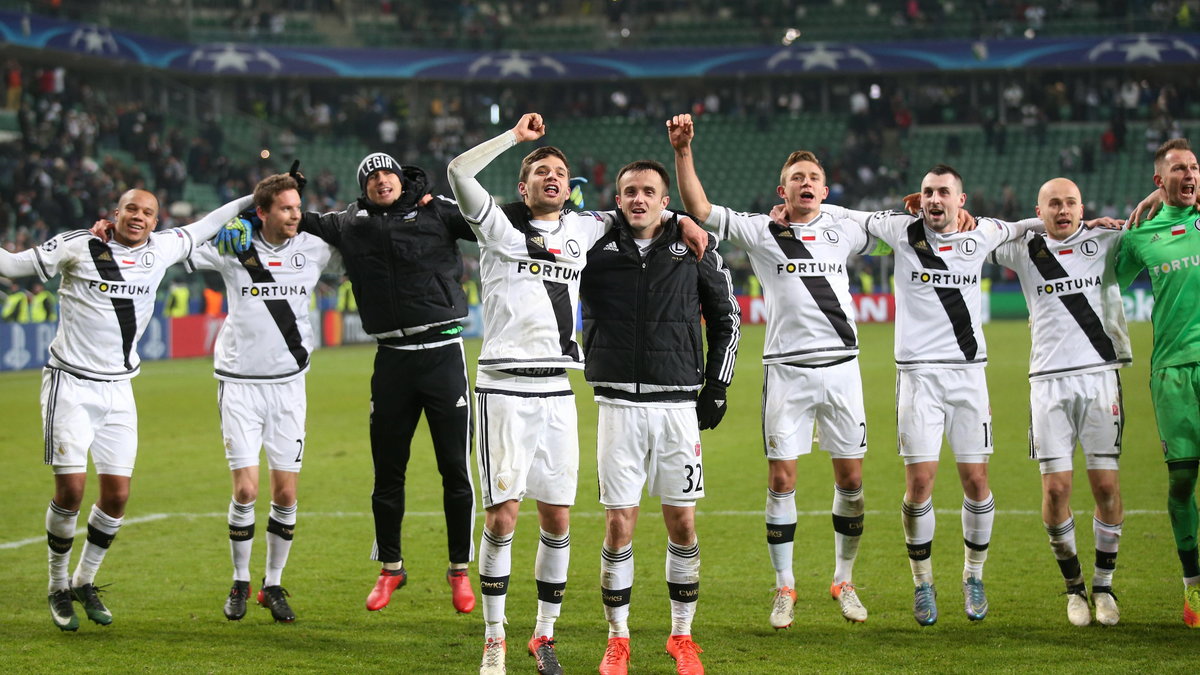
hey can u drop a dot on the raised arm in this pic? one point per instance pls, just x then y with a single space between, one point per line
681 130
473 199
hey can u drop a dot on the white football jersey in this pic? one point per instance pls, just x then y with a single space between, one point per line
106 298
810 314
938 302
1074 301
530 277
267 336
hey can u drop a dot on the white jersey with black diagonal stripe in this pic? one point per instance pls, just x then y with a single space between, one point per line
267 336
1074 301
810 314
106 298
938 301
530 280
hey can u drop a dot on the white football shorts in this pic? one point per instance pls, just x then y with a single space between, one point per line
267 415
930 401
794 398
1086 408
79 414
527 446
655 447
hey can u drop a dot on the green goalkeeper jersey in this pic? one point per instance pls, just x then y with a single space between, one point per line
1168 245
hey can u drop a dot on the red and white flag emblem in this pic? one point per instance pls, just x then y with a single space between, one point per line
1066 251
808 237
1178 230
943 249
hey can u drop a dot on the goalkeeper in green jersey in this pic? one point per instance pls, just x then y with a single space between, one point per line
1168 245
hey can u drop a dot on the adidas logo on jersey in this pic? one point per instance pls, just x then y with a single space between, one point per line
611 246
462 402
538 241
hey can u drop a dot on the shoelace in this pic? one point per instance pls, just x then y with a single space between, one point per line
62 601
618 653
493 653
781 601
93 593
975 594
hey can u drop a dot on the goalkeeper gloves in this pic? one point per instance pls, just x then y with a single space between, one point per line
234 237
576 196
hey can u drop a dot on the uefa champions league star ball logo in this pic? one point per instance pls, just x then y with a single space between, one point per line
232 57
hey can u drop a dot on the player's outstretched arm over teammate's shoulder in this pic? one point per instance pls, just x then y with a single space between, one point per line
21 264
208 226
1104 222
692 235
681 130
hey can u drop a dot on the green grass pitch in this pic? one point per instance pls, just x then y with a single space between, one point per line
169 568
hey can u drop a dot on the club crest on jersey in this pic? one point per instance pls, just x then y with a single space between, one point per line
831 236
1089 248
147 259
298 261
1196 224
677 248
572 248
968 247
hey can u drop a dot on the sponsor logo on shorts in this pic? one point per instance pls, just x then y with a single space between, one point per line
697 449
1116 410
1164 446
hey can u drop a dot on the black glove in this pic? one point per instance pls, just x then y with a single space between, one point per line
710 405
301 181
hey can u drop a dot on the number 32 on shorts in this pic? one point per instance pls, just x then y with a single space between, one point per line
694 475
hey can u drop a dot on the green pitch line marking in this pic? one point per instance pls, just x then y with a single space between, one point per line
574 514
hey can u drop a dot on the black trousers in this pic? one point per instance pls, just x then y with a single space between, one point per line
405 383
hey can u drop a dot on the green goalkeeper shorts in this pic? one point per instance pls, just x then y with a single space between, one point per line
1175 392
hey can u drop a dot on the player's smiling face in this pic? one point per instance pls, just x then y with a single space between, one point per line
641 197
282 222
1060 207
547 187
1179 176
803 189
384 187
137 216
941 198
